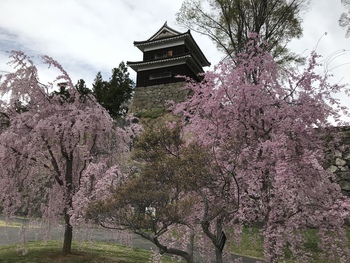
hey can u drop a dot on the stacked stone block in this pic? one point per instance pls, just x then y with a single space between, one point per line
340 159
153 98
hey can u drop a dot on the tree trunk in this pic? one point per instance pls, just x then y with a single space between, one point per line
214 237
164 249
68 235
68 229
218 251
218 255
191 244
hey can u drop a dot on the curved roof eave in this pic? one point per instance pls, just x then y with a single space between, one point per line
164 62
160 40
137 63
187 35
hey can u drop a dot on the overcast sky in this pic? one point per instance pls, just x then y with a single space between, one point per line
87 36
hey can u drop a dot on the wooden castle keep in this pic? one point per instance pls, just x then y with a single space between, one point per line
166 55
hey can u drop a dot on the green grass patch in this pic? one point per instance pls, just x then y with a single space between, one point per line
82 252
252 242
9 224
151 114
19 222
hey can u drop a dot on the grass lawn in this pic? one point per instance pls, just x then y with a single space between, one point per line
96 252
251 245
9 224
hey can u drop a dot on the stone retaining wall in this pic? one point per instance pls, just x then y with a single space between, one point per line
339 163
152 98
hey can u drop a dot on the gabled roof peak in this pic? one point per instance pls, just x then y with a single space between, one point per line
164 32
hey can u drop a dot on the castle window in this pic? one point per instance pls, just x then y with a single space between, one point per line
163 54
160 75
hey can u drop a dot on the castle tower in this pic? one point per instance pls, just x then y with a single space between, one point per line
166 54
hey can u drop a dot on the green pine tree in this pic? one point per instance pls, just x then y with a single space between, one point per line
114 94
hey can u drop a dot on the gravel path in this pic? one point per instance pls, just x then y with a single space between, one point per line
10 235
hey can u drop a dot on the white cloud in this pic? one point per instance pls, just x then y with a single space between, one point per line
87 36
